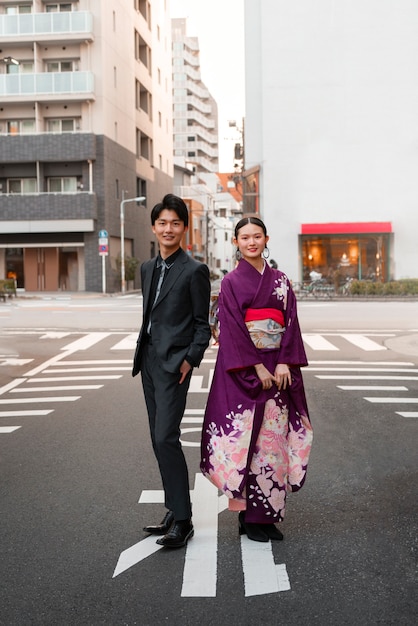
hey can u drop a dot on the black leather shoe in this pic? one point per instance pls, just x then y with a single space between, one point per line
178 535
255 532
164 527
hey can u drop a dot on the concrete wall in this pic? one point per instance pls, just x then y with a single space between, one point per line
331 117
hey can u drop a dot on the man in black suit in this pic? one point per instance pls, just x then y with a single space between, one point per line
174 335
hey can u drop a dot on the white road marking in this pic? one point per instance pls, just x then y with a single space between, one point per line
4 430
368 377
363 369
200 568
261 575
85 342
196 383
200 581
88 369
97 362
372 388
136 553
57 388
127 343
380 400
13 361
363 342
407 413
25 413
13 383
51 361
318 342
64 378
28 400
394 363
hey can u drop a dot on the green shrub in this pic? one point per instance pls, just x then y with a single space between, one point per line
403 287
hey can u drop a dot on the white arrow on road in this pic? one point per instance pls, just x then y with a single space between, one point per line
14 361
257 560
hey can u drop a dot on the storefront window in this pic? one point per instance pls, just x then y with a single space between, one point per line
338 257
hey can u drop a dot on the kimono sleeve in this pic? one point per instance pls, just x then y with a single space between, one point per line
238 350
292 350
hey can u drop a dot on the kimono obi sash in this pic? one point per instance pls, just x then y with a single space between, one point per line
266 327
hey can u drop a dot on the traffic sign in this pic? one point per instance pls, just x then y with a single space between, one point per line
103 234
103 250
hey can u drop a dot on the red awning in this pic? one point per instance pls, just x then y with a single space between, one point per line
345 228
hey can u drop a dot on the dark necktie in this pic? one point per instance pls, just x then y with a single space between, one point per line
163 266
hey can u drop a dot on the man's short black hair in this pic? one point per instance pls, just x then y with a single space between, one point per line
172 203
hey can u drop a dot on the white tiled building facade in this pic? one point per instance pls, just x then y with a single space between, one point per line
332 122
85 122
195 113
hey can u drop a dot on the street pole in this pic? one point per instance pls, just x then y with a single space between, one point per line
122 236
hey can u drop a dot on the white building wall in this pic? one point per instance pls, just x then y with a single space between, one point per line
332 101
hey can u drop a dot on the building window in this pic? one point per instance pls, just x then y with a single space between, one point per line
18 8
67 184
58 7
21 185
142 51
141 187
24 67
60 126
143 145
143 99
60 66
191 154
19 127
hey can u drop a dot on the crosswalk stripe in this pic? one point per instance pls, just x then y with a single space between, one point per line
363 369
96 362
89 369
371 388
127 343
368 377
29 400
25 413
380 400
57 388
8 429
85 342
198 581
64 378
407 413
363 342
318 342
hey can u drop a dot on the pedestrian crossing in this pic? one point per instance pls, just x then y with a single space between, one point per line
68 378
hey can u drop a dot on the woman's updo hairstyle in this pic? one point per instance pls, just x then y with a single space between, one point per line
250 220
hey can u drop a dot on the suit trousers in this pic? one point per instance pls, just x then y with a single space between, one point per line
166 401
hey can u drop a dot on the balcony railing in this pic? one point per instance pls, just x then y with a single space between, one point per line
54 83
30 24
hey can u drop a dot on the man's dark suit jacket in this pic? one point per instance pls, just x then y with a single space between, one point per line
180 317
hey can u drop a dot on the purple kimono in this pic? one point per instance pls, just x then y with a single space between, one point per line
256 443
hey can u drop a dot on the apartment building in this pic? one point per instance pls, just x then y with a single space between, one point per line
331 121
195 113
85 127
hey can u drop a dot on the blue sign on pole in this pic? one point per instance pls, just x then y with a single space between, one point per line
103 234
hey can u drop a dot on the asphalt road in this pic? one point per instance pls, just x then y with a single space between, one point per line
78 480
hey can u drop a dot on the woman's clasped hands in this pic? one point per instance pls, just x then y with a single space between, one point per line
282 377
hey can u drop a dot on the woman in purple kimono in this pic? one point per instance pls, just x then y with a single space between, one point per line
256 434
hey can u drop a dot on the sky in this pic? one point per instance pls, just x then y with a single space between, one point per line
219 26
